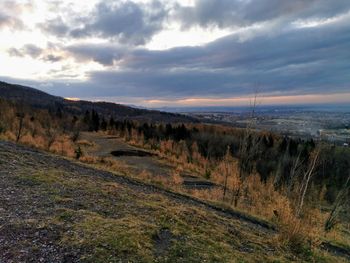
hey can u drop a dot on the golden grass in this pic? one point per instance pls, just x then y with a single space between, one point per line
85 143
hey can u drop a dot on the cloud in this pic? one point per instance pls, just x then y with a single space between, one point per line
27 50
124 21
53 58
55 26
238 13
11 22
35 52
10 14
282 47
298 61
296 46
105 54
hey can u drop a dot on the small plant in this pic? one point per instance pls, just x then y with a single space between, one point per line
341 199
78 153
207 174
2 129
177 178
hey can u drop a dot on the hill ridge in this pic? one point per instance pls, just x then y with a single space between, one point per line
41 99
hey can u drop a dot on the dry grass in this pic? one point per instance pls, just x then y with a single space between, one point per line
8 135
177 178
89 159
85 143
214 194
107 163
37 142
64 146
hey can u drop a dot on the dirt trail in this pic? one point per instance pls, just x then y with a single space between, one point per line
137 159
105 145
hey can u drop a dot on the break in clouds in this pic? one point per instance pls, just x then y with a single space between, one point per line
283 47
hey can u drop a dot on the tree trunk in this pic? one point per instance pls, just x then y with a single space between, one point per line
306 181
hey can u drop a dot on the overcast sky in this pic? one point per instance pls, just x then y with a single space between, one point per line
179 52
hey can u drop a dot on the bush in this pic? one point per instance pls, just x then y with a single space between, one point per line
78 153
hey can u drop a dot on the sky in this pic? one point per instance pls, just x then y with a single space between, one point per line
159 53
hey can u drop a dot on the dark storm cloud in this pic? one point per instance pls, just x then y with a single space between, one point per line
124 21
238 13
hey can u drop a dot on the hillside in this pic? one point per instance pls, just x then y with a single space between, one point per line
64 211
40 99
55 210
28 95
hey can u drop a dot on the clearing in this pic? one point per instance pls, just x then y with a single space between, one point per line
138 160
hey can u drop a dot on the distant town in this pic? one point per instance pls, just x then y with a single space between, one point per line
330 124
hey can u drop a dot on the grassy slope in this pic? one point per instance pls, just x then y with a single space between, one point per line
57 211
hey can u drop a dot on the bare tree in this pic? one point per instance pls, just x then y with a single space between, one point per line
248 148
249 142
75 134
50 136
341 199
20 116
236 189
33 127
226 170
306 180
295 172
230 174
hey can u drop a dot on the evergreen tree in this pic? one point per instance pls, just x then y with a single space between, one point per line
103 124
95 121
111 123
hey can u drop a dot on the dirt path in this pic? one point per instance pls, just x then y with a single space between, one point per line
138 162
105 145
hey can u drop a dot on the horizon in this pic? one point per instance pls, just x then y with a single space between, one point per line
179 53
329 106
